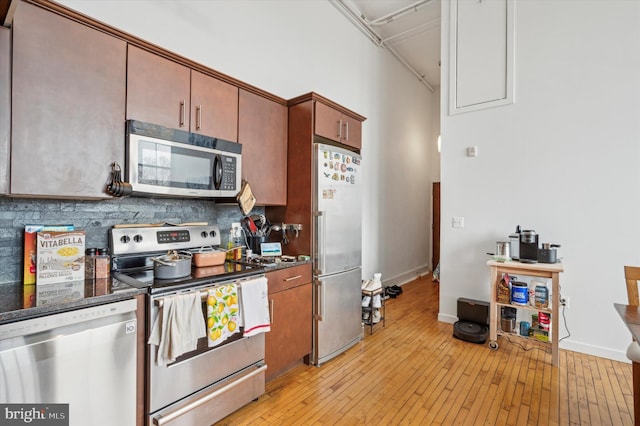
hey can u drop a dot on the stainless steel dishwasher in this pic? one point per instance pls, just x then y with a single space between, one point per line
85 358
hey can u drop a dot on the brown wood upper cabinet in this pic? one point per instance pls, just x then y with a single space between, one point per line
163 92
67 106
334 125
262 131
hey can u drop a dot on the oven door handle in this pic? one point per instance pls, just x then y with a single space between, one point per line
164 419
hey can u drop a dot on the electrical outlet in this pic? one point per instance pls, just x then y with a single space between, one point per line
564 302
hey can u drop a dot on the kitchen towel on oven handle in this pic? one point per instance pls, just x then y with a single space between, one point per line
255 306
223 313
177 326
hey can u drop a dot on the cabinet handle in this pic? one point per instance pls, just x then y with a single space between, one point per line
182 113
198 117
346 125
339 129
292 278
271 302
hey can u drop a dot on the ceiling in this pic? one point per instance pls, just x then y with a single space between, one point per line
409 29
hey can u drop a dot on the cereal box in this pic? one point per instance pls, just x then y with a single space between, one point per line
60 257
29 254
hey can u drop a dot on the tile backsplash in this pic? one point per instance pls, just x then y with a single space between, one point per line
96 218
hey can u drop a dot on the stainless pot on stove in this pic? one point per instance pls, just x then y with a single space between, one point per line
172 265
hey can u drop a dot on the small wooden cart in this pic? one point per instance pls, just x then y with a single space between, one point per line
543 270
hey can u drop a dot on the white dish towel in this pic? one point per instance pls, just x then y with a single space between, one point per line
254 295
177 326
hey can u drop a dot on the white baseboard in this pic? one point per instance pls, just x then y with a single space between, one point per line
406 277
447 318
594 350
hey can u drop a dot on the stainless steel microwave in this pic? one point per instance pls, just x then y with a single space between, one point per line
175 163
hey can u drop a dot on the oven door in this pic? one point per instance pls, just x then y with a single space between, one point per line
216 401
194 371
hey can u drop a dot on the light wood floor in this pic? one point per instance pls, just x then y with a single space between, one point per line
414 372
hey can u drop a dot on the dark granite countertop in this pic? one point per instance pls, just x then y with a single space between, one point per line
284 265
19 301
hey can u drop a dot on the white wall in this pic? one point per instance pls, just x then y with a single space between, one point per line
562 160
293 47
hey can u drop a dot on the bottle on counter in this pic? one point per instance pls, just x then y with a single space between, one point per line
102 263
230 245
89 263
102 271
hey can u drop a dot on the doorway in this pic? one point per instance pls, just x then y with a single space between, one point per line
435 225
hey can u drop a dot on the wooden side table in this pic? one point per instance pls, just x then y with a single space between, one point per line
543 270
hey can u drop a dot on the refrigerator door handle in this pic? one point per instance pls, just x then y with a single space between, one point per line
320 300
320 241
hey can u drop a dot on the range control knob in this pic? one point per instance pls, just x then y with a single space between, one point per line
212 233
137 238
125 239
203 234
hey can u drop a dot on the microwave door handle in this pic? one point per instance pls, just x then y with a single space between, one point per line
217 171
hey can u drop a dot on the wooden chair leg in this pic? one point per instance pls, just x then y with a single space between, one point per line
636 393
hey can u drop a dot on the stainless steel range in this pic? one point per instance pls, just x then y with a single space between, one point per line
204 385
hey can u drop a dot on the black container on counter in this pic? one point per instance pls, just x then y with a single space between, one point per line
254 243
89 263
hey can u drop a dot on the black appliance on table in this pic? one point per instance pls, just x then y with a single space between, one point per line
207 384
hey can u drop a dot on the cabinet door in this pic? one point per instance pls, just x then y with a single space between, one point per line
336 126
158 90
214 107
482 40
262 131
67 106
328 122
5 102
289 340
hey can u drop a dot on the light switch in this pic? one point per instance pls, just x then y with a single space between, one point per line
457 222
472 151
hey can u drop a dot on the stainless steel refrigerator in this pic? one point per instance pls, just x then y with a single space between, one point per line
337 252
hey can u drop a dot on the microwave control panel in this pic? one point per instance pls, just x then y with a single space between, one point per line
229 167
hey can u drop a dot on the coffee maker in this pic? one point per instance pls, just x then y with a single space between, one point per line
528 246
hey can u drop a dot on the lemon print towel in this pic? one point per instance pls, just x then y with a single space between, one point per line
222 313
